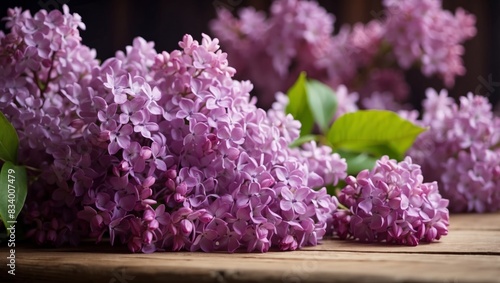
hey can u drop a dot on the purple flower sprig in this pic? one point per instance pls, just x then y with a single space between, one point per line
391 204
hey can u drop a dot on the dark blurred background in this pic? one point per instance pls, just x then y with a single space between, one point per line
112 24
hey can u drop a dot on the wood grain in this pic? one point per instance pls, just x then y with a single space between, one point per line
470 253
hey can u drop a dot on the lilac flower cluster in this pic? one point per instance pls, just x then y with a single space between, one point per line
160 151
391 204
463 141
367 58
421 31
272 52
44 70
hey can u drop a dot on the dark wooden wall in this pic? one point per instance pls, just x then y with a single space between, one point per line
112 24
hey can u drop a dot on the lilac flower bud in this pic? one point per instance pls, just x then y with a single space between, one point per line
149 215
135 244
288 244
148 182
206 217
153 225
147 237
186 227
171 174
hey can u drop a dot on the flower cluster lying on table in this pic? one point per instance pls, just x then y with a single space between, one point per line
162 150
165 151
391 204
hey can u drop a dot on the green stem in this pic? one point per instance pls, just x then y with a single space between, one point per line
342 207
32 168
44 86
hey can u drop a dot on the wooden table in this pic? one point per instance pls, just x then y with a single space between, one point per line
470 253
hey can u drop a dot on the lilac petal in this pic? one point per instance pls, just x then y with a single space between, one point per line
119 182
287 194
377 222
281 173
87 213
233 244
139 165
120 98
242 201
240 227
137 117
210 234
126 130
296 181
128 202
123 141
238 135
405 202
206 245
302 193
155 109
113 148
285 205
161 165
300 207
366 205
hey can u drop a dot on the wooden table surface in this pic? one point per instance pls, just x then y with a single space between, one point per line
470 253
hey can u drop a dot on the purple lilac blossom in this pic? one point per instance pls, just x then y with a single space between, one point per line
158 151
294 37
463 141
391 204
45 76
421 31
367 58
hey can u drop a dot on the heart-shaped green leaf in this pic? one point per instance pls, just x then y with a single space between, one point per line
357 162
298 105
302 140
9 140
13 190
322 102
378 132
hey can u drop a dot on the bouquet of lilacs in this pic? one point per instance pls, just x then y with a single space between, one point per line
158 151
166 151
369 59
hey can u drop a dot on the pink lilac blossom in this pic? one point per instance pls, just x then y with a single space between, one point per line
421 31
391 204
352 50
158 151
346 101
272 52
463 141
45 73
367 58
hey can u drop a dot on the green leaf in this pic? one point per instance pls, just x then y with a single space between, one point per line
298 105
8 140
13 189
302 140
322 102
378 132
357 162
